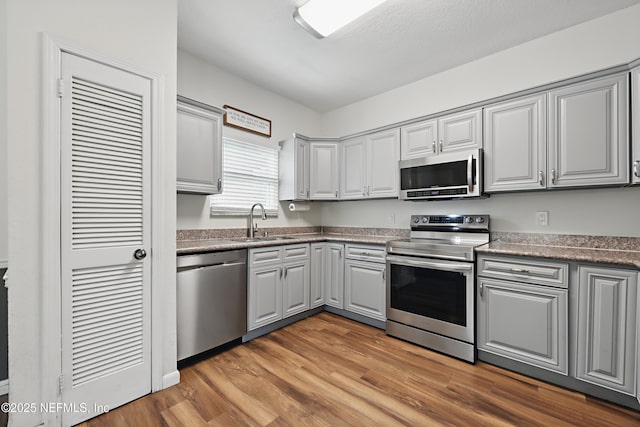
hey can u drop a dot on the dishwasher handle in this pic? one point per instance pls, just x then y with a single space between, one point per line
189 262
211 266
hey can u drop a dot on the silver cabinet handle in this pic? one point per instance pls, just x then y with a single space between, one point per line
481 290
441 146
339 253
285 272
368 190
520 271
219 184
280 270
541 178
553 176
336 194
433 147
636 168
470 173
140 254
384 275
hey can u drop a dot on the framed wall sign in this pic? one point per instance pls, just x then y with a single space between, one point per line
247 121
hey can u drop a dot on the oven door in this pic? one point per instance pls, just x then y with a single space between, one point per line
431 294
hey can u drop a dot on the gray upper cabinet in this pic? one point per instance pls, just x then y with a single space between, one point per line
455 132
635 123
199 147
588 133
369 166
419 140
353 169
515 141
607 328
293 171
324 170
460 131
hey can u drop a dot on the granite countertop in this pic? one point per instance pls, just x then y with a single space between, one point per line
623 251
187 246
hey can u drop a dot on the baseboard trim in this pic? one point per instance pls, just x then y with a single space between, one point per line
4 386
170 379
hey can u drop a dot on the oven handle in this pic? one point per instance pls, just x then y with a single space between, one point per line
455 267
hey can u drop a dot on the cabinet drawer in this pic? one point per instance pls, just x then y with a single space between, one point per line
365 252
524 270
264 256
295 252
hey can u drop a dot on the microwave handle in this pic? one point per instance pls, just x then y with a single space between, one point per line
470 173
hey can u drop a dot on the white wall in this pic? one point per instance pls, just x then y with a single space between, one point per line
141 33
206 83
594 45
4 250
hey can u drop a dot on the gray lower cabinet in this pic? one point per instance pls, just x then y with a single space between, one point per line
524 322
334 274
523 311
279 283
317 275
607 327
364 281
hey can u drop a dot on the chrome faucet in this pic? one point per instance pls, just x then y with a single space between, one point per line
254 227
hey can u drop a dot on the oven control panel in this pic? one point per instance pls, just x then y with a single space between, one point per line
450 221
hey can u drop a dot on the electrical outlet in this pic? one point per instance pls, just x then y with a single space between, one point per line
542 218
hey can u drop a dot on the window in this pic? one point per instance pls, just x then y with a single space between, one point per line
250 174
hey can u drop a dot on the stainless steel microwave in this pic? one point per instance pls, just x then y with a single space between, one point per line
445 176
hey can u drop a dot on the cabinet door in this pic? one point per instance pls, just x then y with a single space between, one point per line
199 149
324 171
606 327
301 169
515 142
353 172
419 140
383 153
635 123
317 275
364 288
265 295
524 322
588 135
295 287
334 275
460 131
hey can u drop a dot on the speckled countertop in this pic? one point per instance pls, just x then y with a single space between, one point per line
623 251
199 241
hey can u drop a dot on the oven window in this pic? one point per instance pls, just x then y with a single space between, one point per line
438 175
430 293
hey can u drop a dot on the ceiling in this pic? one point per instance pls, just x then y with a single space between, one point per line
399 42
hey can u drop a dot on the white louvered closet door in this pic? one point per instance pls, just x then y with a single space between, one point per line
105 189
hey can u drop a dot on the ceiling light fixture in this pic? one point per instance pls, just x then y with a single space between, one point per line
323 17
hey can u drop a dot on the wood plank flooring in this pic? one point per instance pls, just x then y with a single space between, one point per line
330 371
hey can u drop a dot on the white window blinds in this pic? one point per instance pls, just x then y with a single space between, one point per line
250 174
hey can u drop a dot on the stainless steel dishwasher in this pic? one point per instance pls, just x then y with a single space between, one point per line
211 300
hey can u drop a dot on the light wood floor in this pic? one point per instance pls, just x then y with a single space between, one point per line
330 371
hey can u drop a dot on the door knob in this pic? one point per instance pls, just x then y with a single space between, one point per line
140 254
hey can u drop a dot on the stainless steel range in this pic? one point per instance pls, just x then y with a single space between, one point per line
431 282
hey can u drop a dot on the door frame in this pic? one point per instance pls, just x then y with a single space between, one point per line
51 283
